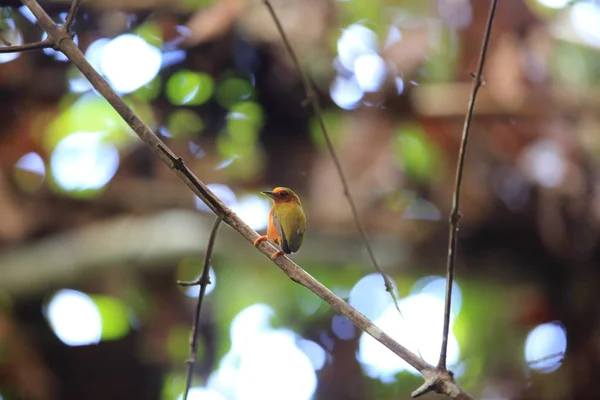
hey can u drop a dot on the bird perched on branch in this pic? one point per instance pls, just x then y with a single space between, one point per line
287 222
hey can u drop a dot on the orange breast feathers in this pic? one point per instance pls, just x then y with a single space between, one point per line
272 232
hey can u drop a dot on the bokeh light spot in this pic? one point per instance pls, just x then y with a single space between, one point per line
370 71
253 210
30 172
355 41
545 347
345 92
82 161
314 352
201 393
342 328
435 286
585 19
419 329
555 4
74 318
369 296
223 192
543 163
129 62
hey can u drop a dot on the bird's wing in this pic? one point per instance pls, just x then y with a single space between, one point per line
291 226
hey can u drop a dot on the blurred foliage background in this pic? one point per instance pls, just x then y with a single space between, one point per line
94 230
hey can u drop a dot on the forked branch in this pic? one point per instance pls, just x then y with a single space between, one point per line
203 282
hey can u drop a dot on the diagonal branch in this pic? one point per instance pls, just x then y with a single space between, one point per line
30 46
204 281
4 41
312 98
436 380
455 215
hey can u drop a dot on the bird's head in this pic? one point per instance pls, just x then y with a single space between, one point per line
283 195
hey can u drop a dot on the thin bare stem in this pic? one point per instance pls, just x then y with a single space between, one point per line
4 41
312 98
203 281
25 47
554 357
441 382
455 215
71 15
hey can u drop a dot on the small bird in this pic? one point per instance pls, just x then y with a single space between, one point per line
287 222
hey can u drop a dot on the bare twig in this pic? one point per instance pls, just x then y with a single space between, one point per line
312 98
203 281
558 357
4 41
71 15
436 380
42 44
455 215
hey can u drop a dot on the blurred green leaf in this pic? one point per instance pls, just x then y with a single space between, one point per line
151 32
150 90
441 65
92 113
333 122
173 386
115 317
415 154
233 90
184 123
189 88
574 65
244 121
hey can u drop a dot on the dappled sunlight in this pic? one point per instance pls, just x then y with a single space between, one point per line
264 362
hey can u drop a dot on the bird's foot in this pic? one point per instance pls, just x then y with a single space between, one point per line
260 239
277 253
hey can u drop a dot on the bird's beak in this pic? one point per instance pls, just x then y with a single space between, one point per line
269 193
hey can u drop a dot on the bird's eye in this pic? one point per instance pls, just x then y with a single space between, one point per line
283 193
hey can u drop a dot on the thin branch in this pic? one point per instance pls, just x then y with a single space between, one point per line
439 381
558 357
4 41
312 98
455 215
203 281
71 15
42 44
